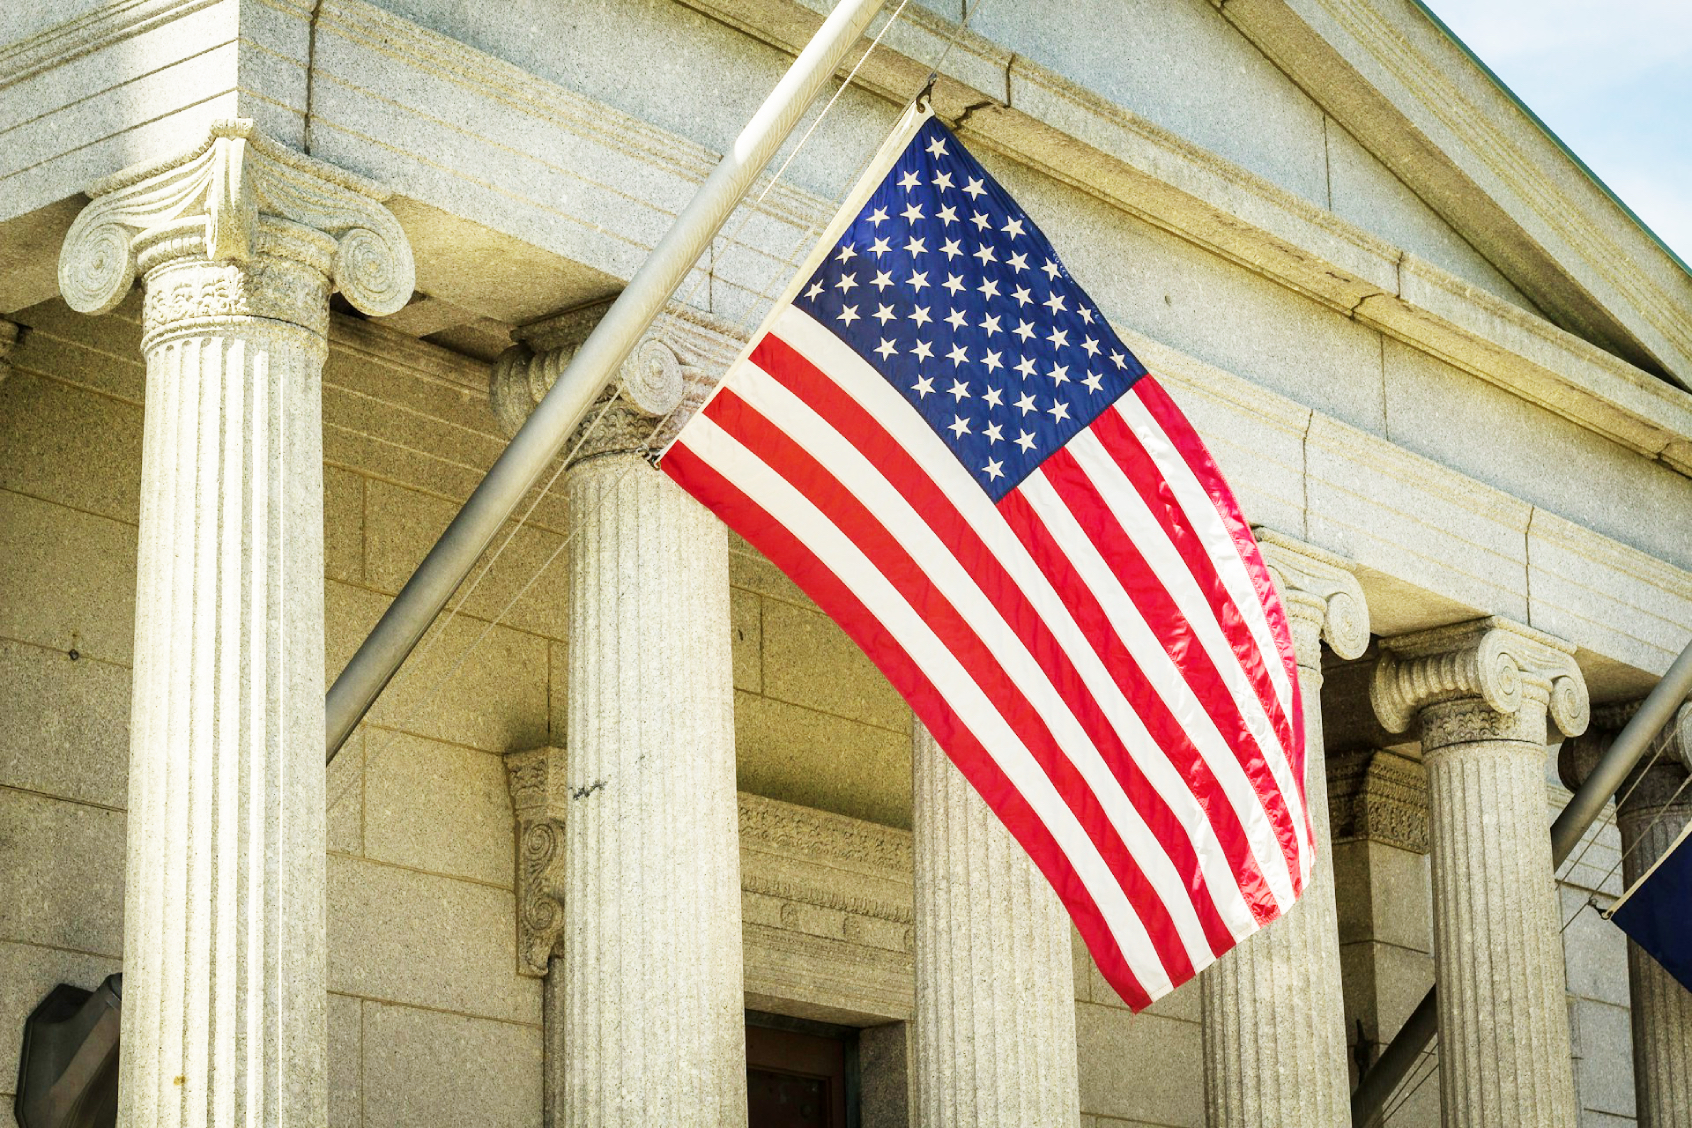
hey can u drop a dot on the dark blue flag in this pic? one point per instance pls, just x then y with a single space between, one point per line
1657 911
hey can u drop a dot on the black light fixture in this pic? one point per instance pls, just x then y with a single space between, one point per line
67 1073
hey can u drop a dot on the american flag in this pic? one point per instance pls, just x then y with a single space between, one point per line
940 439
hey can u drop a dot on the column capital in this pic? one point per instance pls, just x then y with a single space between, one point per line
244 201
1379 796
539 797
1323 599
1647 789
670 373
1489 679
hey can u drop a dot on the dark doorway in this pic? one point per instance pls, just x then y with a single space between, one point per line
800 1074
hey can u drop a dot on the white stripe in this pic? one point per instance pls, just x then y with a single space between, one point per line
768 489
954 582
858 380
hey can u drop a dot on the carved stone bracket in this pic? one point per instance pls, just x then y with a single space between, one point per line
235 197
1378 796
539 797
1323 599
667 377
1490 679
1657 781
8 338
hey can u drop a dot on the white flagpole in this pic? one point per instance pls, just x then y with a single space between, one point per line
556 417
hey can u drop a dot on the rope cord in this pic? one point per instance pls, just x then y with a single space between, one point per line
1433 1068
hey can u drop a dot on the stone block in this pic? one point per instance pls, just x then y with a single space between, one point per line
64 865
344 796
884 1067
421 939
1594 950
343 525
809 661
65 728
1382 986
1604 1062
346 1062
437 807
749 569
67 579
423 1069
492 696
27 973
746 618
815 759
1143 1067
69 445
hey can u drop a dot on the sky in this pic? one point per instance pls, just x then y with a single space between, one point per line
1612 79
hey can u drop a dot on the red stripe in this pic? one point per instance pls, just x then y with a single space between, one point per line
795 372
1115 545
1186 442
833 596
1124 448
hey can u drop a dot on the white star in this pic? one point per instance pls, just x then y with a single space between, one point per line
1012 227
955 319
846 252
1054 303
1118 359
991 361
1026 366
915 246
1019 261
886 348
953 283
919 315
937 147
912 213
1058 411
1059 373
846 282
974 188
994 433
815 291
878 217
958 355
1093 381
1025 441
879 247
917 280
959 390
1051 268
1058 338
882 280
849 314
923 386
989 288
1026 404
884 314
1086 314
985 253
994 398
994 469
981 222
1022 296
909 180
990 325
1024 330
1091 346
923 351
959 426
951 249
943 181
948 213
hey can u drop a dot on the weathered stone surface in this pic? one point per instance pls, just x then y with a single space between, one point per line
436 807
423 1069
65 731
995 1033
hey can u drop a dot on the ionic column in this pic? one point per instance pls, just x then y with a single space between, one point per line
238 243
645 998
1273 1010
1479 694
995 980
1658 807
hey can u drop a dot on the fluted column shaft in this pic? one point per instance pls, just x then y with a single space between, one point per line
1273 1009
224 944
652 978
1479 694
995 987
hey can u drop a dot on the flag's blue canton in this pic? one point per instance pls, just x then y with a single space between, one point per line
944 285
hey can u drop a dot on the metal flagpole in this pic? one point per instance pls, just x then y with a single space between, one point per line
1405 1049
558 414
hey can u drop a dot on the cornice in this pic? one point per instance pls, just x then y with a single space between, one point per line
109 24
